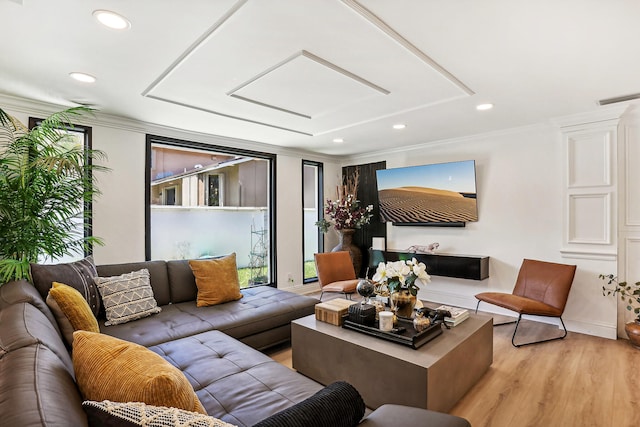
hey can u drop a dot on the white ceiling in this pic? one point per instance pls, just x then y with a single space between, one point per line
299 73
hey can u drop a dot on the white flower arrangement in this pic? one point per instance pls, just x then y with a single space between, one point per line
407 274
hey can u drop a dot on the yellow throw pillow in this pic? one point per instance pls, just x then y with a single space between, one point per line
71 311
109 368
217 280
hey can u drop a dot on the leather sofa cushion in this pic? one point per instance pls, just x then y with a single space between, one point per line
182 281
23 325
398 415
262 308
157 276
170 324
108 368
36 389
23 291
234 382
36 372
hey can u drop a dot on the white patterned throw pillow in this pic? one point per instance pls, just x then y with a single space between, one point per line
127 297
140 414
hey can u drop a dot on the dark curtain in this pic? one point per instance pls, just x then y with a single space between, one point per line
368 195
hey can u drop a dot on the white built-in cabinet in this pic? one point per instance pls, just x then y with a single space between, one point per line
590 190
601 205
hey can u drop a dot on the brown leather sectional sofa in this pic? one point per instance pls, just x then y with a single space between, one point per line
216 348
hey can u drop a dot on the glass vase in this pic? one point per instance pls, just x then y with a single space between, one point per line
402 303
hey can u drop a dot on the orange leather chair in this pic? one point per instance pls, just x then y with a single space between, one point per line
336 273
542 289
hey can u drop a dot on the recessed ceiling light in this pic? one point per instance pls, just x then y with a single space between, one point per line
112 19
484 107
82 77
338 140
399 126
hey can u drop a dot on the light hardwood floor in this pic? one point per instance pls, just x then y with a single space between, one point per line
579 381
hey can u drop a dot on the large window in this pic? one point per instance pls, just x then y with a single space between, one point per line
312 212
80 136
206 201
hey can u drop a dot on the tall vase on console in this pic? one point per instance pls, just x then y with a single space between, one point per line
346 215
346 244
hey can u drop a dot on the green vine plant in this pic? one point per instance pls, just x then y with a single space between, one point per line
46 179
629 293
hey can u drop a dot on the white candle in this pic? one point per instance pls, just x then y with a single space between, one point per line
386 320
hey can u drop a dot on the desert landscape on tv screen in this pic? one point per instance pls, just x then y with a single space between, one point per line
435 193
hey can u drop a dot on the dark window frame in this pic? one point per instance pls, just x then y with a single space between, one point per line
320 203
180 143
87 145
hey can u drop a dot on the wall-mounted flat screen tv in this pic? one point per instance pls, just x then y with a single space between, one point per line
437 194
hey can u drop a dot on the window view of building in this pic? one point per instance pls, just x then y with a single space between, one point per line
211 203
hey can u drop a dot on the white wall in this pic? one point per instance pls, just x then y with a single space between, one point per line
289 221
520 205
118 213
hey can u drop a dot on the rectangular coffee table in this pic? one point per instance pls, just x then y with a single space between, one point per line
435 376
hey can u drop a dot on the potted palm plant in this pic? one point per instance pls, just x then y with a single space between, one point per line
46 179
629 293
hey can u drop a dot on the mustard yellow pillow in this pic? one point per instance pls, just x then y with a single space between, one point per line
71 311
217 280
108 368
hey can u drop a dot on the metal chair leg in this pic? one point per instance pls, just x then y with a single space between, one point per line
536 342
517 322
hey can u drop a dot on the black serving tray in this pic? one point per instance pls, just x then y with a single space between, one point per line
408 337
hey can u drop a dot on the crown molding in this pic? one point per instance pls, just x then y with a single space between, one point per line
44 109
449 141
602 114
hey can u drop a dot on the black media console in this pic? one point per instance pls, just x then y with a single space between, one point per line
449 265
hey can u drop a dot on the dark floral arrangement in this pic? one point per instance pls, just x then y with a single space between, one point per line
345 213
629 293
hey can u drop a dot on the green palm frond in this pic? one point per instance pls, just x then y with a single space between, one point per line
45 179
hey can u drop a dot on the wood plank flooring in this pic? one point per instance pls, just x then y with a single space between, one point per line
579 381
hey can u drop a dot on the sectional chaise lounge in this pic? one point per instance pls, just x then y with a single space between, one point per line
216 347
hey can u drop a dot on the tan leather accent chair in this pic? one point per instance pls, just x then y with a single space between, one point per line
541 289
336 273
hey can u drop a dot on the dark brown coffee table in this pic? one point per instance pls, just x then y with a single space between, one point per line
435 376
